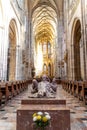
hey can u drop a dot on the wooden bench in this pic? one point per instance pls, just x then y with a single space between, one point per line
10 89
77 89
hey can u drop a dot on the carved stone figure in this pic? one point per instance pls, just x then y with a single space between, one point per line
34 86
43 88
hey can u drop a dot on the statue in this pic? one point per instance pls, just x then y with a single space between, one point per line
34 86
44 88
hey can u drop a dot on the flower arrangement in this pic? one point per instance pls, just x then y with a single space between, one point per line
41 119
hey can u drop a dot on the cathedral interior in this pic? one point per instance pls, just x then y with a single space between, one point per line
43 37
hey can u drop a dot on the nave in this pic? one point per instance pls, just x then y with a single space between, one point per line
78 112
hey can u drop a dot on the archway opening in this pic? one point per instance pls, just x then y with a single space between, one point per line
11 59
77 62
44 69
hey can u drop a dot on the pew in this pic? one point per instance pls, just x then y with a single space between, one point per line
5 92
70 88
76 88
18 87
85 92
10 89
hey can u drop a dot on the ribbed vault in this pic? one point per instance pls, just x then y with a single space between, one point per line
44 21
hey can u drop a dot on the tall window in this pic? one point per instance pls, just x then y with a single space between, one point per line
44 48
44 68
49 48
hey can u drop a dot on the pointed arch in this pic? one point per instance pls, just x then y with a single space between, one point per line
76 38
11 59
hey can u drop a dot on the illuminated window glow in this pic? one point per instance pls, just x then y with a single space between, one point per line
39 61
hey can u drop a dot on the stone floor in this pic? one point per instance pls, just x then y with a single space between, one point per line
78 112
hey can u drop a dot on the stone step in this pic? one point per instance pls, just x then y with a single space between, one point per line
43 101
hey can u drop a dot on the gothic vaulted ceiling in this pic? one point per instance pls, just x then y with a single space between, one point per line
57 3
45 15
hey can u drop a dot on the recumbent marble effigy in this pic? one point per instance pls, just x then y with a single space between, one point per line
44 88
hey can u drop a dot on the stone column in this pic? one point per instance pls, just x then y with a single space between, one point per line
60 47
4 47
2 61
84 37
29 41
28 48
56 54
72 63
85 28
